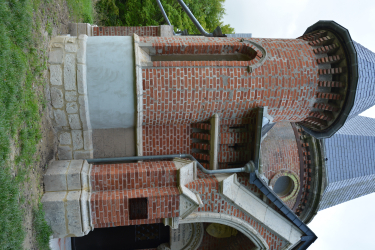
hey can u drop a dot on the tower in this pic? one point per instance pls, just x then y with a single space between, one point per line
185 114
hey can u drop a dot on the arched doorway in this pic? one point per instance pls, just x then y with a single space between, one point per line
123 238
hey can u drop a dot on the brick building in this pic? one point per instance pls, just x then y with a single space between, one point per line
161 130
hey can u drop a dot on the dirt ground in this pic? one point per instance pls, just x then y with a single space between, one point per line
54 18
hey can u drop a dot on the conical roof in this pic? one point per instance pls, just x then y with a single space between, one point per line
365 94
350 162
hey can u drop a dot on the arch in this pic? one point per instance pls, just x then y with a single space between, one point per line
232 221
240 53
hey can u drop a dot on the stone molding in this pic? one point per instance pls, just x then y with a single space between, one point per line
244 200
67 87
214 141
172 222
166 30
76 29
296 183
180 240
189 201
67 199
138 58
232 221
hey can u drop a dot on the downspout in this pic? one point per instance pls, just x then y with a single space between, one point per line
164 14
247 168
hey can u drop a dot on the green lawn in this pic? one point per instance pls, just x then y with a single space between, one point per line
22 63
81 10
20 70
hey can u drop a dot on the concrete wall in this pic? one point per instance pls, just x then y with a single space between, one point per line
114 142
110 82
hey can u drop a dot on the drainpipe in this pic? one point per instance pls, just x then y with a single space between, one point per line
247 168
217 32
164 14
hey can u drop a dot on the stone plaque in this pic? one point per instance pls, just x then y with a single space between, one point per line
187 236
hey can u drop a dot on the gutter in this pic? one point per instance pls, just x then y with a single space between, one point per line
246 168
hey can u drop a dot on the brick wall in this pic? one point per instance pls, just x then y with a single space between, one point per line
114 184
166 139
192 91
126 31
279 151
305 171
238 242
207 186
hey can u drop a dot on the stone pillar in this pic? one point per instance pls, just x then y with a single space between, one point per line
66 201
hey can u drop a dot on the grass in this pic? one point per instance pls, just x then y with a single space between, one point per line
20 71
22 63
81 10
41 227
11 231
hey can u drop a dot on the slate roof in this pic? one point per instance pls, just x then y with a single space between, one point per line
365 94
351 162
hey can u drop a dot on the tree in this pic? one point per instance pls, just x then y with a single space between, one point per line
147 13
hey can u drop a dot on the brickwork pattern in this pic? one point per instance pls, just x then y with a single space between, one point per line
207 186
166 139
279 152
235 143
189 92
133 176
113 186
238 242
126 31
306 184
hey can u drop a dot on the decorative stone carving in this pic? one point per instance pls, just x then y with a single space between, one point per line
244 200
187 236
172 222
189 201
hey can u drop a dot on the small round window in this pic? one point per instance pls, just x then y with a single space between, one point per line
283 186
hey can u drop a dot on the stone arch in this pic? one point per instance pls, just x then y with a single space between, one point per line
240 225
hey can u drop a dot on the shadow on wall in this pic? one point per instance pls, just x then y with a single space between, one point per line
234 242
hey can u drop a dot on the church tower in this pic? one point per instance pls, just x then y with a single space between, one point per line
186 115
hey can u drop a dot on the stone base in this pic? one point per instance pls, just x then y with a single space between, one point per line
66 201
68 95
76 29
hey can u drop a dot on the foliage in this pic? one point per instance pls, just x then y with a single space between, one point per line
147 13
